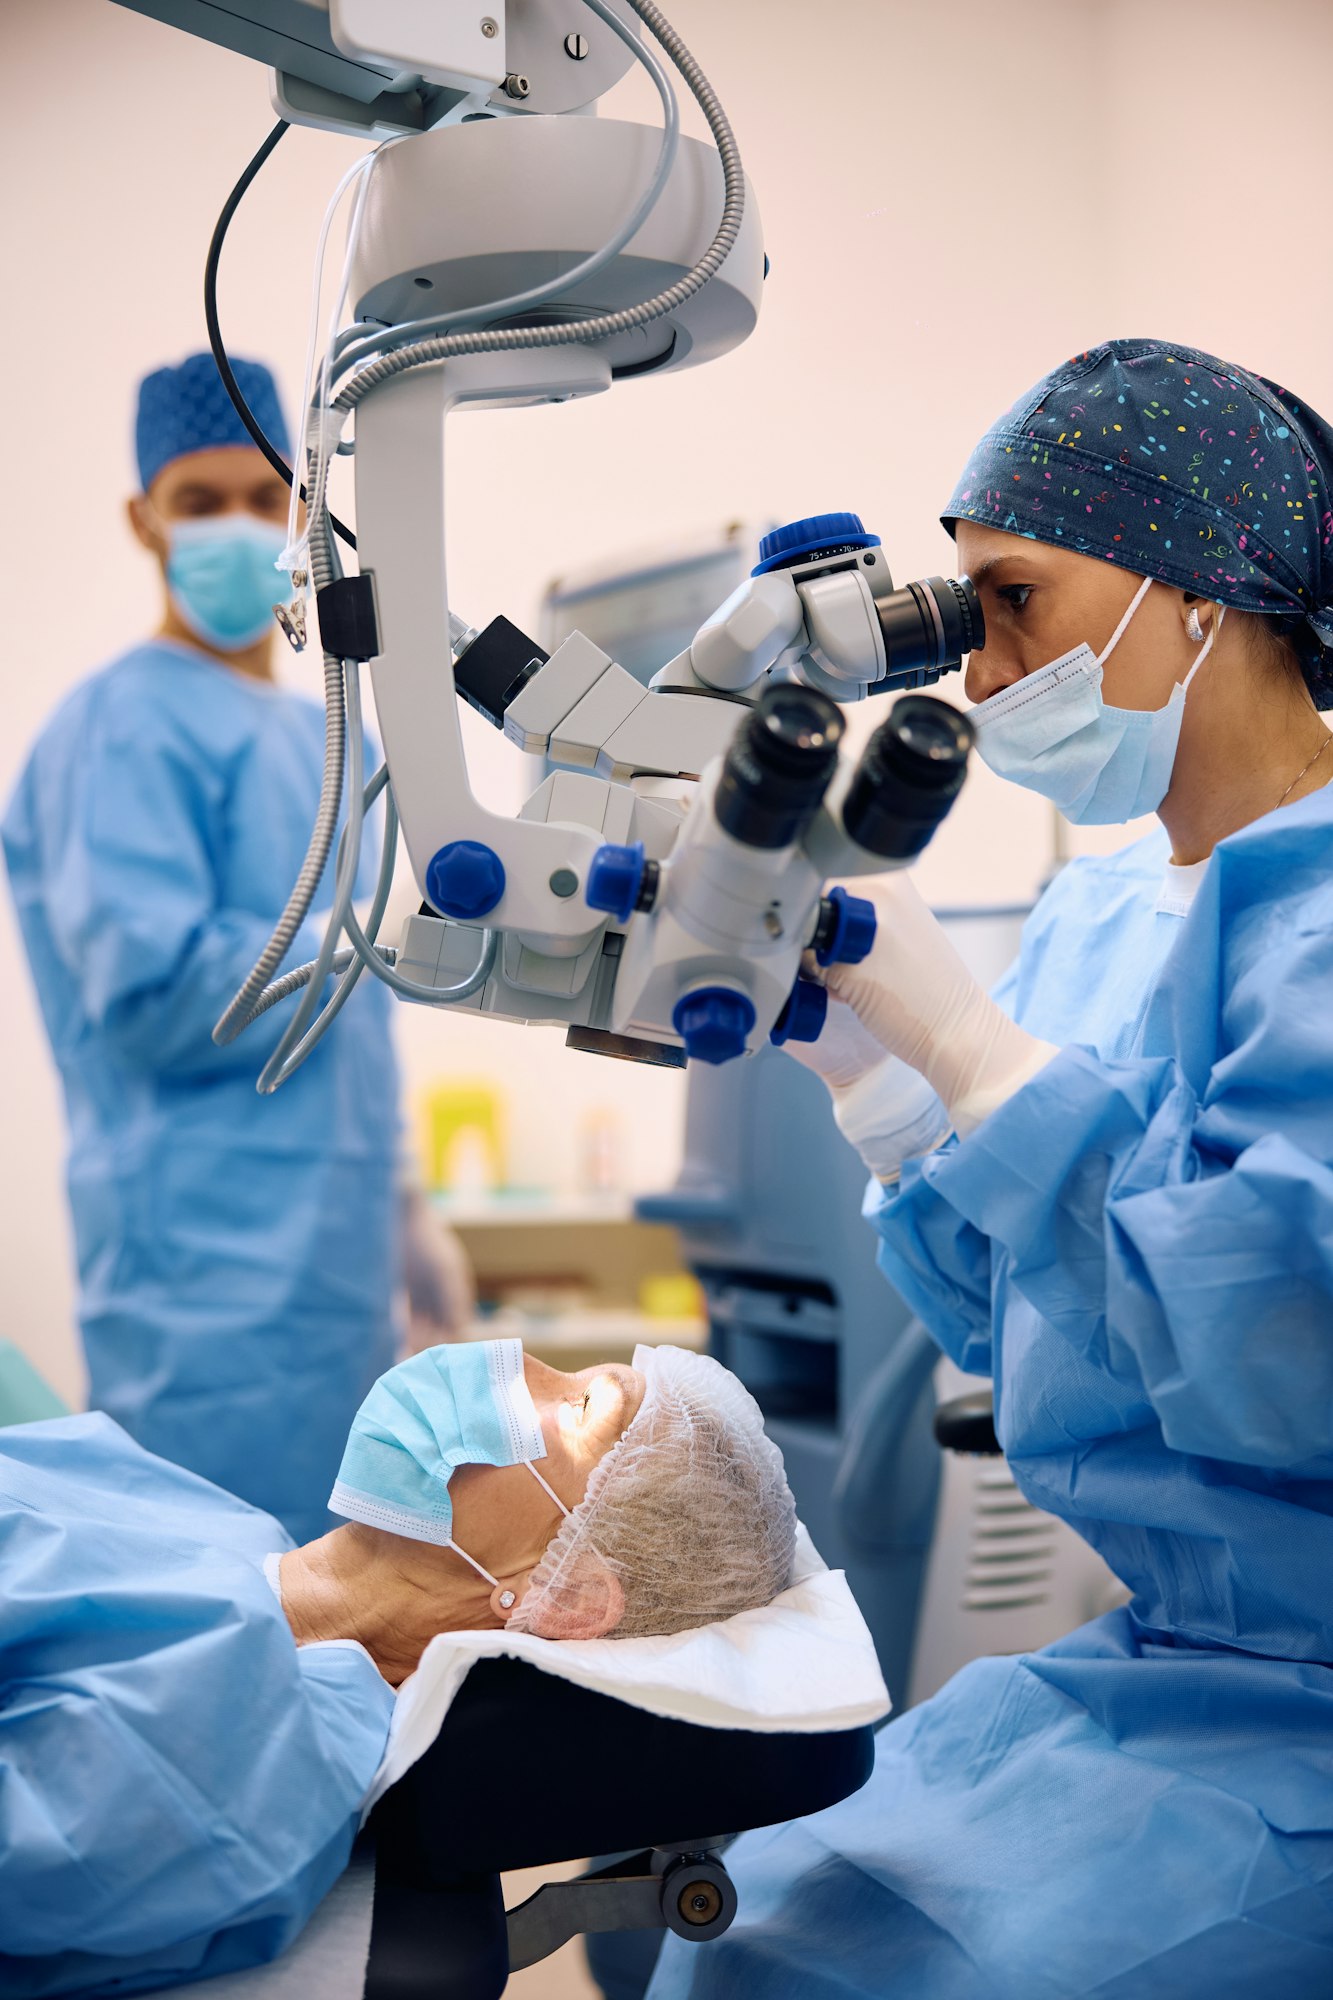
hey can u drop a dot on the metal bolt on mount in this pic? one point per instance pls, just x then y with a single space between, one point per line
516 85
576 47
489 28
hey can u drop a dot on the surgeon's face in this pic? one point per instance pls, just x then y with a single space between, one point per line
208 485
1040 602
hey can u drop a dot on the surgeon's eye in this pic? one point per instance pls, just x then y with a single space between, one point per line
1015 595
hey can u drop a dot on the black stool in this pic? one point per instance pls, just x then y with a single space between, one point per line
529 1770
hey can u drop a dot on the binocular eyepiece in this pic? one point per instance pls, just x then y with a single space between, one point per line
911 772
927 628
779 766
782 759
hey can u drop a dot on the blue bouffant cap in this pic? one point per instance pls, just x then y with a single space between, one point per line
1175 465
188 409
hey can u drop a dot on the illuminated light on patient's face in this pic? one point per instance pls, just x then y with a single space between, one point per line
583 1414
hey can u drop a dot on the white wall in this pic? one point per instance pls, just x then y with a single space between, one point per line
954 198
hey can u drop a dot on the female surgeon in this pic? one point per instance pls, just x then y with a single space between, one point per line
1111 1189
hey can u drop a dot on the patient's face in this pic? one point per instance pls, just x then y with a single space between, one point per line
395 1594
582 1415
501 1507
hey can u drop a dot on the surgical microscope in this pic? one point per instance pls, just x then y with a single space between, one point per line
657 892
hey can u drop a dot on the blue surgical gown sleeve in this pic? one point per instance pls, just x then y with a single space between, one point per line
180 1785
938 1261
134 842
937 1258
1171 1216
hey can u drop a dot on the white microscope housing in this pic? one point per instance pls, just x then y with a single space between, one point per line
510 247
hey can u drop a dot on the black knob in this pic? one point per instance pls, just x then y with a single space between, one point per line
967 1423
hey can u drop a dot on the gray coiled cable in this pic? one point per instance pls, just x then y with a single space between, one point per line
242 1010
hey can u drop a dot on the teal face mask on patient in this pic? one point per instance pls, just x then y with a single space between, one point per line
464 1404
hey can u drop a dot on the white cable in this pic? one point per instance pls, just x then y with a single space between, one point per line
295 555
329 424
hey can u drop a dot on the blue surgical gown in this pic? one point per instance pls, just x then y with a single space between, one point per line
236 1254
180 1785
1139 1247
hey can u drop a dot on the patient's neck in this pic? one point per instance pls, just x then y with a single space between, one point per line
391 1594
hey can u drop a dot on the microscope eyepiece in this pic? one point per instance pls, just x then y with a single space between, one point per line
927 627
778 766
911 773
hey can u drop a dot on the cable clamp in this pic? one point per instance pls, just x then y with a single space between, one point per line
348 622
291 620
291 617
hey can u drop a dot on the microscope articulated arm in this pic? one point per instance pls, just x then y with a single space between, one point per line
832 620
585 712
822 630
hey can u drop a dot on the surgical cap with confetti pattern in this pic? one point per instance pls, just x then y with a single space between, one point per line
1179 466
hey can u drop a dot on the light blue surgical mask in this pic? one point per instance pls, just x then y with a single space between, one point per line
1053 733
462 1404
222 576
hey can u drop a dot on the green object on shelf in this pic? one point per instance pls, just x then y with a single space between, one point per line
24 1397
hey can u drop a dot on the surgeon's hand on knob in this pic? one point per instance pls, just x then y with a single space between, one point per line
441 1295
917 1002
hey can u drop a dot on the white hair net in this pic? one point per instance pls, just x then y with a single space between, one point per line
687 1519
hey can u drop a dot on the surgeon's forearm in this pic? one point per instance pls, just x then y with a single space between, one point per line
977 1076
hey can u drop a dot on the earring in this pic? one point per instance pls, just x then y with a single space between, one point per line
506 1599
1193 627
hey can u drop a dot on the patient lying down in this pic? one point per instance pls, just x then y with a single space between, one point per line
484 1488
182 1784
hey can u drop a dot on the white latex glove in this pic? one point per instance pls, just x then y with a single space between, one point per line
845 1052
441 1296
920 1003
888 1112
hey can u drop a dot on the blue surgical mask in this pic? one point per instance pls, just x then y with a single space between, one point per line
461 1404
222 576
1053 733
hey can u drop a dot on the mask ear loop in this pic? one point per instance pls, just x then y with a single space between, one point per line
547 1489
472 1562
1115 638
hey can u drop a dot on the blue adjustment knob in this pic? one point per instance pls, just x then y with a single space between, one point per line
804 1012
817 532
615 876
713 1022
852 933
465 879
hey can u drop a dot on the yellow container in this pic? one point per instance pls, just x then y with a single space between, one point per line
462 1137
